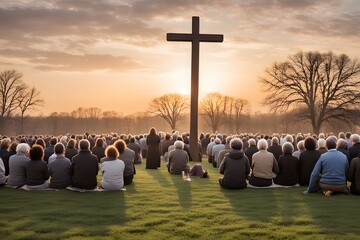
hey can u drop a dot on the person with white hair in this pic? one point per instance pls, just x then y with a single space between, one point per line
216 150
209 150
235 167
342 147
249 152
17 164
300 147
223 152
321 145
178 159
264 166
288 167
354 150
84 167
2 173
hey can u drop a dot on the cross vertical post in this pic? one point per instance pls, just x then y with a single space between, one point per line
195 38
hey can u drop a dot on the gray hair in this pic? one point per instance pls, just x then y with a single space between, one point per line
341 143
355 138
262 144
179 145
321 142
228 139
217 141
287 148
252 141
289 138
84 144
301 145
22 148
236 144
322 135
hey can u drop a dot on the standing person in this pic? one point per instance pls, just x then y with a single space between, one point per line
307 160
153 152
330 171
17 163
84 167
235 167
60 168
112 170
36 170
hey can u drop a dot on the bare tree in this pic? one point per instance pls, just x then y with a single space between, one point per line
213 108
29 99
236 109
325 85
169 107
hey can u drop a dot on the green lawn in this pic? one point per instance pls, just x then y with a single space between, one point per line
163 206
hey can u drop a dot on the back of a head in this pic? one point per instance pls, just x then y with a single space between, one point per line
36 152
219 136
112 152
321 143
120 145
310 143
236 144
228 140
330 143
53 141
289 138
152 131
59 148
5 143
217 141
301 145
321 135
274 141
22 148
355 138
287 148
262 144
71 143
84 144
341 143
341 135
179 145
252 142
132 139
99 142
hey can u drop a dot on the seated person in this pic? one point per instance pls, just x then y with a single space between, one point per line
112 170
36 170
288 167
354 175
127 156
2 173
178 159
235 167
60 168
197 171
84 167
17 163
330 171
264 166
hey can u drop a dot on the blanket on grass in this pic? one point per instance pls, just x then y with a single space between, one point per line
273 186
75 189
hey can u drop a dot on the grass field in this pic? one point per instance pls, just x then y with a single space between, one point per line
163 206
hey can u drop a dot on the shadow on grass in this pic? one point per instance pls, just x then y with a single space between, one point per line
72 214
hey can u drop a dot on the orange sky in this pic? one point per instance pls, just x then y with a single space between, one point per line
114 54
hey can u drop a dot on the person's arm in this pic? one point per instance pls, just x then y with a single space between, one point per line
222 167
46 172
275 168
314 178
351 172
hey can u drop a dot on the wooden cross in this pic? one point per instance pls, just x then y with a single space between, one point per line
195 38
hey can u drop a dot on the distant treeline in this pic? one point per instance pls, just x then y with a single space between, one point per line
62 123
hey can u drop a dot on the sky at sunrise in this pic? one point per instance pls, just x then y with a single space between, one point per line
114 54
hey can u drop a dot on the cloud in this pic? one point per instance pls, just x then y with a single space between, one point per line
60 61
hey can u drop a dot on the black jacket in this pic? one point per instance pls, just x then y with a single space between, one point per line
84 169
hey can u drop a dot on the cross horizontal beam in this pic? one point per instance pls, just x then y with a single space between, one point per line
186 37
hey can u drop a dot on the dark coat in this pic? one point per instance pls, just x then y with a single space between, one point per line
354 151
354 176
48 152
288 170
346 153
153 151
249 152
307 163
70 153
276 151
165 145
5 156
236 168
36 172
204 143
84 169
99 152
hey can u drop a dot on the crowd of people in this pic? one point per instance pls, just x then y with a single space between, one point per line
321 162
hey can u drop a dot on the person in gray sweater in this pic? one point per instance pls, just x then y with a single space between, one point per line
60 168
178 159
17 163
235 167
